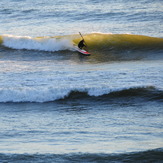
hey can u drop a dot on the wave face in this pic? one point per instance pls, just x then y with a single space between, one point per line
106 42
97 42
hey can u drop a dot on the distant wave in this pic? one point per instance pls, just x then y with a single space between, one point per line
137 157
53 94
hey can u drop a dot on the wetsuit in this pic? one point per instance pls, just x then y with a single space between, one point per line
81 44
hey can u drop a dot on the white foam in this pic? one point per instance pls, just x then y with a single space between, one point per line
35 94
32 94
29 43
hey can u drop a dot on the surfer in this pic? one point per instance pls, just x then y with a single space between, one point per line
81 44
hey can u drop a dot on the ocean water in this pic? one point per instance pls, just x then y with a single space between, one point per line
57 105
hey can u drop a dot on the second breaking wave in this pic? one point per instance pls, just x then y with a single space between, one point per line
102 94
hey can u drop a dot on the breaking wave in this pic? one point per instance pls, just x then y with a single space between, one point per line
96 42
53 94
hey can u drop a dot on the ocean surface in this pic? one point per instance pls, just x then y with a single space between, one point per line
57 105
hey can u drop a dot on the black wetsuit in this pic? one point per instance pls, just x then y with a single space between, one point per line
81 44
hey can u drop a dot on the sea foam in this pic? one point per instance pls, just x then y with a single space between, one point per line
42 44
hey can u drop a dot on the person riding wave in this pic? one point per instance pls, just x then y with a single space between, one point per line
81 44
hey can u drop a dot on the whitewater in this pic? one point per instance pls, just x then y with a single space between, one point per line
57 105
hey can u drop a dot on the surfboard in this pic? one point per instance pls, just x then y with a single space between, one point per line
82 51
